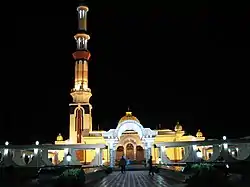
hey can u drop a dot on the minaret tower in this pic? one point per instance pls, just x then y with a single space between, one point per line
80 109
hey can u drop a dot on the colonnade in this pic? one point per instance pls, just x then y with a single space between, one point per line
12 155
222 150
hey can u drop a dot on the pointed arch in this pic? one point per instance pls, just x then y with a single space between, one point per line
79 113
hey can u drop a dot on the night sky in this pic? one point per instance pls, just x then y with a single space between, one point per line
167 62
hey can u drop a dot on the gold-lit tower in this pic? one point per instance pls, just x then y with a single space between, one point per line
80 109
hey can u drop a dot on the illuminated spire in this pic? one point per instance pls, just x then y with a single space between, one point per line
81 93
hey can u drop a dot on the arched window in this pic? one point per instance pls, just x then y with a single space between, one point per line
79 124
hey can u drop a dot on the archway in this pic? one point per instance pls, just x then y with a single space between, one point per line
119 152
139 153
130 151
129 125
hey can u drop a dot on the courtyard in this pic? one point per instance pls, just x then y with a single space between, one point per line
136 179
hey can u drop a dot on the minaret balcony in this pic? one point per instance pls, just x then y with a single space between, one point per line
81 90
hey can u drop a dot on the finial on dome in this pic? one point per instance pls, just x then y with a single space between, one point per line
128 113
199 133
178 127
59 137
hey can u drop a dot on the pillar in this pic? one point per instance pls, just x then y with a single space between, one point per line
112 157
98 156
135 152
145 153
160 154
101 156
112 154
148 150
7 158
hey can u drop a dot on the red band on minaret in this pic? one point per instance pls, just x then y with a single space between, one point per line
81 55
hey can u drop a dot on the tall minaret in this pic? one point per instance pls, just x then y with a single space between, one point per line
80 109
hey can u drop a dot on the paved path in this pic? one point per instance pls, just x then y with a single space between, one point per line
135 179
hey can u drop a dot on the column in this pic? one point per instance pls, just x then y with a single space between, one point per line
149 150
134 152
7 158
145 153
162 154
112 157
98 156
112 153
224 152
101 157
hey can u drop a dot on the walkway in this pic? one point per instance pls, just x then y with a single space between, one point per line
135 179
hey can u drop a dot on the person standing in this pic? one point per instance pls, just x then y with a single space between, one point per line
122 164
150 164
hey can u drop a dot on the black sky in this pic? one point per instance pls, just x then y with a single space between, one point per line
167 62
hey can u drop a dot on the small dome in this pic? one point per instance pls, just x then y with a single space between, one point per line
199 133
178 126
128 116
59 137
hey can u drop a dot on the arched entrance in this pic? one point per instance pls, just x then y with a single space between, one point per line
129 133
139 153
130 151
119 152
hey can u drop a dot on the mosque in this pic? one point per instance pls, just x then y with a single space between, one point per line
130 138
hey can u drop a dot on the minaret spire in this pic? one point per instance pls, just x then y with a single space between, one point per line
81 109
81 92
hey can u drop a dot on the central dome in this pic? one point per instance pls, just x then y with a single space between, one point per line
128 116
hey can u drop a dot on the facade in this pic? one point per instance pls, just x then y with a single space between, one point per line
130 138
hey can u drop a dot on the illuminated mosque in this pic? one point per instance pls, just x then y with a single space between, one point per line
130 138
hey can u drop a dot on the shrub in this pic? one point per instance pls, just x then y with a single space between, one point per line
71 178
156 169
207 175
108 170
